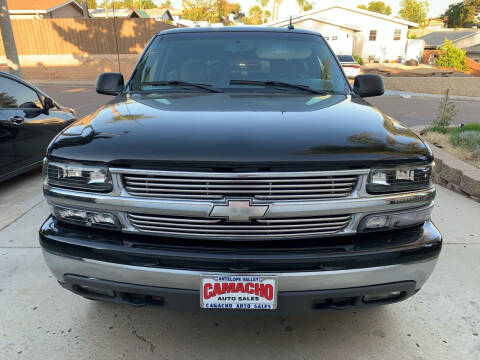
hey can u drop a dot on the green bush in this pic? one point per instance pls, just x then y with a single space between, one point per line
358 59
467 136
471 126
468 139
451 56
438 129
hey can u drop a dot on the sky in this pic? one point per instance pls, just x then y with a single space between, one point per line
290 7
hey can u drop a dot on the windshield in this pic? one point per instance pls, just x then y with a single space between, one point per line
346 58
230 61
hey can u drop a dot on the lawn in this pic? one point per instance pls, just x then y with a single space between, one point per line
462 142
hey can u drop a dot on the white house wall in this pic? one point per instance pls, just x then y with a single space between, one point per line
384 47
344 37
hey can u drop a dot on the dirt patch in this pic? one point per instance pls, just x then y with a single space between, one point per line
443 141
401 70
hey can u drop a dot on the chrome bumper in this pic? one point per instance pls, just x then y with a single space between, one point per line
287 281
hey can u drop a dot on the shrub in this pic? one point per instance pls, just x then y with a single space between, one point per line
468 139
438 129
358 59
451 56
471 126
447 111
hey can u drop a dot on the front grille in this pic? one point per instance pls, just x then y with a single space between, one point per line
258 228
266 186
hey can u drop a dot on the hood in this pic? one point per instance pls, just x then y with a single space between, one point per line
220 128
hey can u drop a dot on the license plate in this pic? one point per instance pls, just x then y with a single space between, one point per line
245 292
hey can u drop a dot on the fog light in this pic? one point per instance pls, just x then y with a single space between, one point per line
376 222
86 217
395 220
102 219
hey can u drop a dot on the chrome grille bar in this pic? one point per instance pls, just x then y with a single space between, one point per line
309 185
263 228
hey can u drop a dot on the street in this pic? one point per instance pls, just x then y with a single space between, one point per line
411 111
42 320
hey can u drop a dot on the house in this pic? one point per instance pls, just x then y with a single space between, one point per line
119 13
462 38
466 39
434 24
339 36
160 14
48 9
473 52
375 36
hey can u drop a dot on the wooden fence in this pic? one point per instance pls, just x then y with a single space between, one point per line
79 36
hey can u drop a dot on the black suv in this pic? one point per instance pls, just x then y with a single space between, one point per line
238 169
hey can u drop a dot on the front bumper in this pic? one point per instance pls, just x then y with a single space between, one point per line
122 267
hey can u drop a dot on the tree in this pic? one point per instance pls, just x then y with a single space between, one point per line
304 5
128 4
166 4
378 7
198 10
276 8
210 10
307 6
8 40
456 15
263 5
462 13
255 15
446 113
92 4
414 10
236 10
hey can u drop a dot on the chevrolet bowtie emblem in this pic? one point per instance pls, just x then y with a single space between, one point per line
239 210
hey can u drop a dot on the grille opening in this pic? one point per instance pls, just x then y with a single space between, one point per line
267 186
257 228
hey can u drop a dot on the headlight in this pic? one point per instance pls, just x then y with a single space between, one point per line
400 178
86 217
77 176
390 221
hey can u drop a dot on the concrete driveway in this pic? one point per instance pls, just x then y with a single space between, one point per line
40 320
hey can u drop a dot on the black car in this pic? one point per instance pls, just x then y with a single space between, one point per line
29 120
238 169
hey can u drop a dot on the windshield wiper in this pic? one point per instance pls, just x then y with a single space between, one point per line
180 83
278 84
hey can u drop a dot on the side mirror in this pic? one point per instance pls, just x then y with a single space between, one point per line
48 104
367 85
110 84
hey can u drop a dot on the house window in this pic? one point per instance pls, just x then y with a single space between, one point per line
327 38
334 38
397 34
373 35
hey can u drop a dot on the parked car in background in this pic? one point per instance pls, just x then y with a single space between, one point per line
238 169
29 120
350 65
